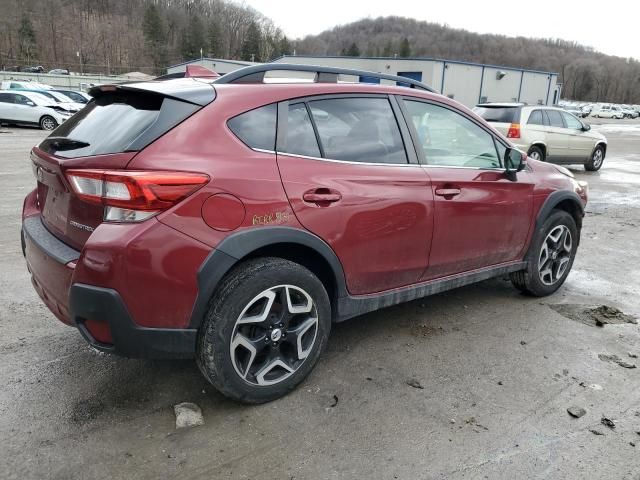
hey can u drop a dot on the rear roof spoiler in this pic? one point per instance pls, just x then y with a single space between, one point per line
186 90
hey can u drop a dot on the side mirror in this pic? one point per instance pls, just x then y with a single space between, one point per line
586 127
513 163
31 104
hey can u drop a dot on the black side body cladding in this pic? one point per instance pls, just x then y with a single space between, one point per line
129 340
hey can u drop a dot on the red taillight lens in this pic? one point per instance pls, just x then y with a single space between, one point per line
514 131
137 191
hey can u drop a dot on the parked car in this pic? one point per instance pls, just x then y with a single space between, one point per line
147 234
547 133
59 71
11 84
574 110
28 108
59 98
608 111
78 97
629 112
33 69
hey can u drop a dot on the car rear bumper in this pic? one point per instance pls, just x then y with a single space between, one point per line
99 313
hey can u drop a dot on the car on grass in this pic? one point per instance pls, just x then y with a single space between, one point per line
546 133
234 220
30 109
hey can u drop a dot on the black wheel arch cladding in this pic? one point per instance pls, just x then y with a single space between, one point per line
239 245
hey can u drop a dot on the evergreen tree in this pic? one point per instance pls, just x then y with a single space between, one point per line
352 51
214 36
193 39
251 45
154 31
284 46
405 48
388 49
26 39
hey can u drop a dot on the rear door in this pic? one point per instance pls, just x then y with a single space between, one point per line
557 138
481 217
580 144
351 181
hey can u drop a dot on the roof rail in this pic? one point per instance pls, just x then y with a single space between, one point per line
256 73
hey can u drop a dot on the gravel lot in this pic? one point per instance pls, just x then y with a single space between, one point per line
498 372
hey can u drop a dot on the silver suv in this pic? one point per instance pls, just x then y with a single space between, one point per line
547 133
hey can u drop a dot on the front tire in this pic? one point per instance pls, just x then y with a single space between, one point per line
597 159
265 329
550 257
48 123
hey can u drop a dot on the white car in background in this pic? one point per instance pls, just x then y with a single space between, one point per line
11 84
60 99
29 108
608 111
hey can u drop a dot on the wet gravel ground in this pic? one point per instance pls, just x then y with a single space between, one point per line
498 372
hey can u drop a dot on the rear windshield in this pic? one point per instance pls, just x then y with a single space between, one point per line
117 122
497 114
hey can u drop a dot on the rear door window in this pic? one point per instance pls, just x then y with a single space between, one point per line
256 128
300 139
535 118
555 119
498 114
359 130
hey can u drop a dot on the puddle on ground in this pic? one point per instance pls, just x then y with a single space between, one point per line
595 316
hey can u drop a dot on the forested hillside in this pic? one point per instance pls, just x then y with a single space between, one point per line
113 36
116 36
587 75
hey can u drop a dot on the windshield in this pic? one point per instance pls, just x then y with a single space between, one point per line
39 99
60 97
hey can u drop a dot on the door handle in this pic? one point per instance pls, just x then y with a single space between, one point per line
447 192
322 195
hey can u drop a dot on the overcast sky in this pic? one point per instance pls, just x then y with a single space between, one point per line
611 26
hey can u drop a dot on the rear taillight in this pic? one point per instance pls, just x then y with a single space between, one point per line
514 131
133 196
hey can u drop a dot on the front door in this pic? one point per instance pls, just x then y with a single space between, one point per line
481 217
580 143
346 173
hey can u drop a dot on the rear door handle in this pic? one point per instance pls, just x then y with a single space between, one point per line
321 195
447 192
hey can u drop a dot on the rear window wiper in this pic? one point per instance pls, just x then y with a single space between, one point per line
64 143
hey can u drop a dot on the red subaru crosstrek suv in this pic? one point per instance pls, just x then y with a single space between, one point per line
233 219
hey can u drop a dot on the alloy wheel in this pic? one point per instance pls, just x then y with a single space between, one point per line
555 254
597 158
48 123
273 335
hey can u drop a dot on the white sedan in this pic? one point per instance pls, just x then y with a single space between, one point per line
28 108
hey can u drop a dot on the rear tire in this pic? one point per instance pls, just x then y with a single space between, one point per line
550 257
48 123
536 153
265 329
597 159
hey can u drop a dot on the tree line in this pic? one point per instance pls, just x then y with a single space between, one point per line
587 75
117 36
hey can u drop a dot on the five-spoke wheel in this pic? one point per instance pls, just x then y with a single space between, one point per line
274 335
555 254
265 329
